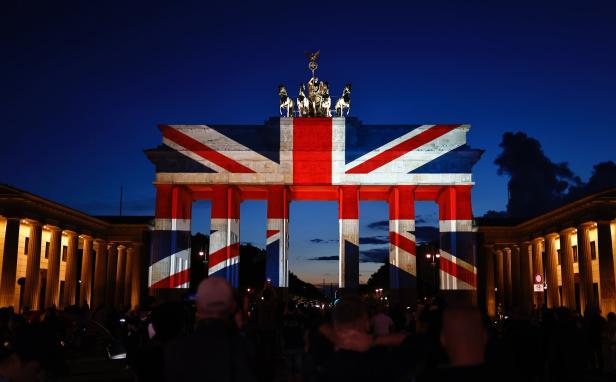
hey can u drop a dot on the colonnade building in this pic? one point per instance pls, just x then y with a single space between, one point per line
565 257
52 255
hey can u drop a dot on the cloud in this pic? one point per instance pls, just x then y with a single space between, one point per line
319 241
426 234
374 255
380 225
324 258
374 240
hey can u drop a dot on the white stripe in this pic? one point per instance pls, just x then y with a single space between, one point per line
458 261
192 155
183 286
165 267
227 147
407 224
286 152
449 282
227 232
223 264
338 149
387 146
400 167
172 224
272 238
455 226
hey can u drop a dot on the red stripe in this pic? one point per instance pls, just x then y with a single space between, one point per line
401 149
277 202
402 242
272 232
226 202
348 202
454 203
223 254
312 151
458 272
173 281
204 151
402 203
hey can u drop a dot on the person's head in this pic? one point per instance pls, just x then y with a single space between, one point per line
214 299
33 354
463 336
350 314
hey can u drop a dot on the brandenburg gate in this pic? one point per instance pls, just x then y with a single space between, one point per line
310 154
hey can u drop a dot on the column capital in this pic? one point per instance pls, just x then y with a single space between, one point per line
51 227
99 241
507 249
538 239
69 233
32 222
551 235
121 247
85 237
566 231
586 225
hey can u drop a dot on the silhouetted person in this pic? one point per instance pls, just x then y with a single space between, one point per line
166 325
215 351
350 319
463 336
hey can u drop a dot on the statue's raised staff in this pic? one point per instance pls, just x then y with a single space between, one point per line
344 102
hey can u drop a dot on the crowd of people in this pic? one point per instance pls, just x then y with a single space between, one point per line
264 336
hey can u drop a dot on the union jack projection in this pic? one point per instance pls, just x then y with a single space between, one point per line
289 159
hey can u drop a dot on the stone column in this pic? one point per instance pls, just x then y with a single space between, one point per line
537 269
516 287
566 267
70 274
277 236
130 254
120 272
169 265
52 288
32 288
100 273
402 249
587 296
458 261
507 279
85 292
112 265
551 270
348 219
490 284
224 255
135 285
606 267
9 262
500 277
526 278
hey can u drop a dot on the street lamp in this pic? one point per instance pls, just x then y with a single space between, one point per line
433 260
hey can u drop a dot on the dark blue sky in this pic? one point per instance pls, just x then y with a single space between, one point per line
84 85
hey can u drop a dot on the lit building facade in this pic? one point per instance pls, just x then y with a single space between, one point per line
52 255
569 250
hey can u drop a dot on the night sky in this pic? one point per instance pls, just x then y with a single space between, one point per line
84 85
